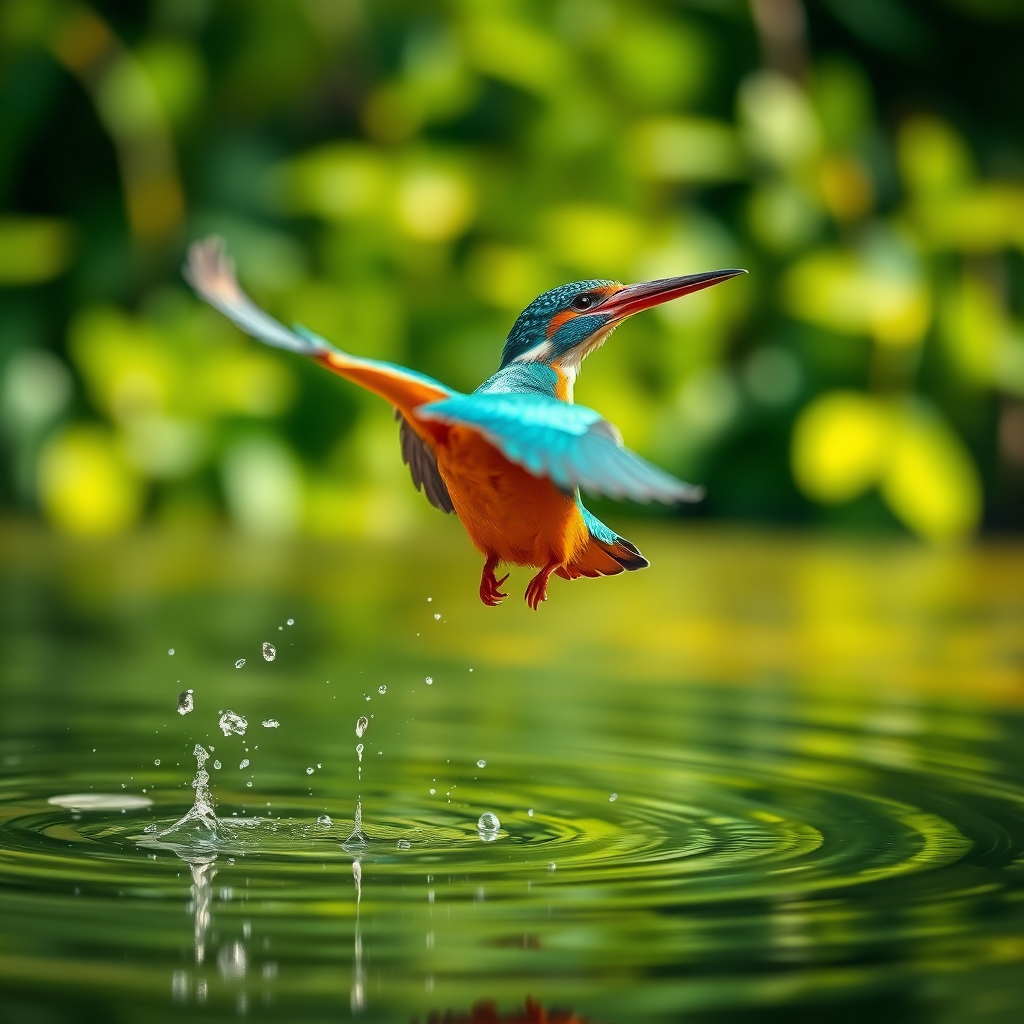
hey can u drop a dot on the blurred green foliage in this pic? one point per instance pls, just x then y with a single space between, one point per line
403 177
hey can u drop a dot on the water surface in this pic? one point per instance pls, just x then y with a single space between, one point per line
767 779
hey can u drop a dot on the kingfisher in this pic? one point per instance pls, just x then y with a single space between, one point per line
511 458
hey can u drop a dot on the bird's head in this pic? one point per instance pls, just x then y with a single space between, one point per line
563 326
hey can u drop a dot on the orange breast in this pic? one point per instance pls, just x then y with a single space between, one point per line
506 511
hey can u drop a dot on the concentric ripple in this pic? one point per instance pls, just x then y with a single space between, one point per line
697 857
709 831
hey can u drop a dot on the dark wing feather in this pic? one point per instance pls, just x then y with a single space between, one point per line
423 466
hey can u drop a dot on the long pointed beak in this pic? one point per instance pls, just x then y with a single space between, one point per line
635 297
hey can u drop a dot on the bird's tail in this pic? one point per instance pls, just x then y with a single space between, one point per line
606 553
211 273
601 559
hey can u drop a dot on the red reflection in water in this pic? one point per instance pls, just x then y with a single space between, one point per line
486 1012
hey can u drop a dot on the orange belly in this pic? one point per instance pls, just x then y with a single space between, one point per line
507 512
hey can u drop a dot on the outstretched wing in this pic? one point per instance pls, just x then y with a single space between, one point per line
569 444
211 272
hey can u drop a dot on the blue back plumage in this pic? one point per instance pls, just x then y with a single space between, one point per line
525 378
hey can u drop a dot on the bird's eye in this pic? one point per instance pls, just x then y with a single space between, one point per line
583 301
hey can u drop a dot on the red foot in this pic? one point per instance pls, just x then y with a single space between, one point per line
489 592
537 591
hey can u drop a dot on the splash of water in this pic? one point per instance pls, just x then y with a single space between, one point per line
202 812
271 723
185 702
357 837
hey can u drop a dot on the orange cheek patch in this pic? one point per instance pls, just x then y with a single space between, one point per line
558 319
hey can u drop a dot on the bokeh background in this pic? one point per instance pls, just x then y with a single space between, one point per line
404 176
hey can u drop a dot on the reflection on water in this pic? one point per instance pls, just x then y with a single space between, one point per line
203 873
358 997
762 780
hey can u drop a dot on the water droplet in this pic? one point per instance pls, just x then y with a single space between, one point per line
170 650
529 813
269 652
271 723
291 622
429 680
382 688
403 844
244 763
324 821
216 764
157 762
231 723
437 615
613 798
359 751
429 599
249 784
481 763
488 826
362 725
433 791
309 771
240 663
185 702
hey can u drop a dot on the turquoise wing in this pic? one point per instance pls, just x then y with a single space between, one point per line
211 272
570 445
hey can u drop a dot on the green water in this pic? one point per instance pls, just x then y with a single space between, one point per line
770 779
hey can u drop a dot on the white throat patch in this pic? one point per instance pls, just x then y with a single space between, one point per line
571 363
568 365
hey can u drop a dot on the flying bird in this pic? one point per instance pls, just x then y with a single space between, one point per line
511 458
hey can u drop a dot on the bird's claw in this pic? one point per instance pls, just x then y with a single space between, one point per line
489 592
537 590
